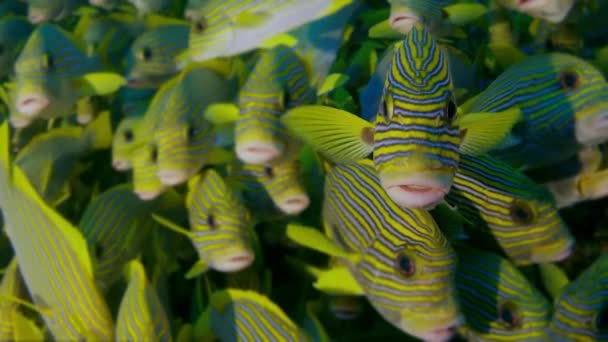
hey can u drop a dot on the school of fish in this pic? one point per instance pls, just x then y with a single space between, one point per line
304 170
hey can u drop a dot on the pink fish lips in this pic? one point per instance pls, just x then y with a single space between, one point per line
234 262
402 22
416 194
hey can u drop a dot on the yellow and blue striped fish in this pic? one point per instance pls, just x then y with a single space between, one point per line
239 315
53 258
184 138
278 186
520 214
564 103
14 32
146 183
141 316
580 311
400 259
152 55
125 141
116 225
51 73
221 228
223 28
498 302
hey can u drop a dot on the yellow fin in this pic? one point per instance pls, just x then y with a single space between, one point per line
134 268
183 59
202 327
46 311
172 226
464 13
25 329
383 30
156 20
338 281
285 39
483 131
314 239
219 156
339 135
86 18
335 6
199 268
506 54
595 185
251 19
99 131
554 279
222 113
99 83
331 82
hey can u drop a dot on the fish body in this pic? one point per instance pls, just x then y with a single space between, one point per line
498 302
110 39
53 259
553 11
153 55
141 315
14 32
228 28
564 102
520 214
125 141
240 315
277 186
183 136
580 310
397 244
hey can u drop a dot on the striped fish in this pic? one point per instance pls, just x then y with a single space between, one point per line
564 101
14 32
145 173
152 55
49 159
498 302
239 315
399 257
53 258
116 224
278 186
183 136
220 225
223 28
14 326
553 11
520 214
125 141
51 72
580 311
417 137
141 316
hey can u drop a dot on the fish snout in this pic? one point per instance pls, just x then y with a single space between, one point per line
190 15
37 17
148 195
172 177
442 333
554 253
121 165
31 104
294 204
417 191
402 21
19 121
234 261
591 126
257 152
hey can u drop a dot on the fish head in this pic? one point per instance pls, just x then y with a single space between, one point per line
415 139
153 55
145 172
107 4
405 13
582 306
126 139
554 11
280 182
183 148
40 11
211 36
497 300
220 222
419 280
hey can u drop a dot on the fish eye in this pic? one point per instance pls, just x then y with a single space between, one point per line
600 323
450 111
268 172
507 314
98 250
48 62
521 213
405 265
154 154
146 53
200 25
211 221
569 80
128 135
191 132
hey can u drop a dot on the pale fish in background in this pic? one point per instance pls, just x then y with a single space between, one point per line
553 11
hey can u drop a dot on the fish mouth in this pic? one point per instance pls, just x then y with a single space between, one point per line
137 83
257 153
84 118
441 334
31 104
37 18
121 165
553 12
234 262
402 21
148 195
417 192
593 129
172 177
552 253
294 205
